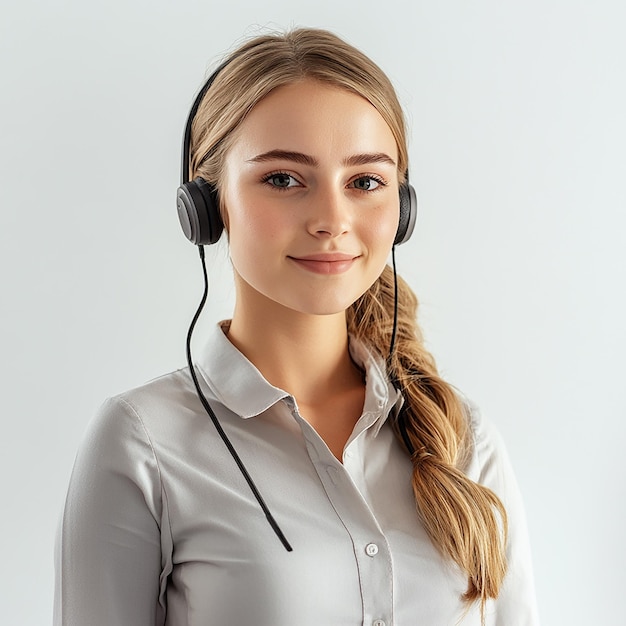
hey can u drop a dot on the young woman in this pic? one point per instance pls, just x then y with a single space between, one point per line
389 499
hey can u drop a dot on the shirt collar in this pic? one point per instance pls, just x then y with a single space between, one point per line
380 394
235 382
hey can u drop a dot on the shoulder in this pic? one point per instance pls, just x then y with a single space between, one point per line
489 465
488 461
164 393
144 414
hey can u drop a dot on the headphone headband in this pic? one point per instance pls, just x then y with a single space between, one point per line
185 165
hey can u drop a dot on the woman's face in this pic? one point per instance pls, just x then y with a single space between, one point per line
311 196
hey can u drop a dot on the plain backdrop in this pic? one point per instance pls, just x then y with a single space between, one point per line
518 153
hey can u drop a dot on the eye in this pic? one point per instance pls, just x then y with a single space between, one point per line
367 183
280 180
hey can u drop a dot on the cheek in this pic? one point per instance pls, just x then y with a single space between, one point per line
255 234
255 227
380 230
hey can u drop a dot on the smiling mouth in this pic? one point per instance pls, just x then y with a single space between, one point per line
334 263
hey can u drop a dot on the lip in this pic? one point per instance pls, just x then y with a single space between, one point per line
326 262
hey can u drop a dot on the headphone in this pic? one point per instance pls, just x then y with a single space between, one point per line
198 204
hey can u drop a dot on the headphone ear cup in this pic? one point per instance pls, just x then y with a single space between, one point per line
198 211
408 214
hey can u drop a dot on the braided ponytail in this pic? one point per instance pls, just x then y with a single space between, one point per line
466 521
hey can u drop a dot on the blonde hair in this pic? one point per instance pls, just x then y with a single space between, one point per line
466 521
261 65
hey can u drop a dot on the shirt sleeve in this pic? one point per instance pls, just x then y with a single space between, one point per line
516 604
108 548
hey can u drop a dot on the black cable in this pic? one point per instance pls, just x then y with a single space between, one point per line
392 343
399 420
218 426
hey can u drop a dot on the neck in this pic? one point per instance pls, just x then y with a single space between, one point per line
294 351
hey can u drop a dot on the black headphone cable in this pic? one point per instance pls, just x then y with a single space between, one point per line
392 344
216 423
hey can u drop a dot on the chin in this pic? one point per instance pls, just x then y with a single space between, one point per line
303 298
322 306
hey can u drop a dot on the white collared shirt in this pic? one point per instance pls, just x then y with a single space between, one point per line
160 527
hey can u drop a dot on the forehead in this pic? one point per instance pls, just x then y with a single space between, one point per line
323 120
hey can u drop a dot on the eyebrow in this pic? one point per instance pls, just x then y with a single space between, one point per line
285 155
305 159
369 157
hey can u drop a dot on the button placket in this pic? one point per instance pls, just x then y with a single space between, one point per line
345 487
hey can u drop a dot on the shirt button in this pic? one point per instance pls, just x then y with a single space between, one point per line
371 549
378 622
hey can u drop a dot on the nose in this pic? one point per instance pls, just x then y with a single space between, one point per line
329 213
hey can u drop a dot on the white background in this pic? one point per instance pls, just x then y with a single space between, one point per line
517 118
